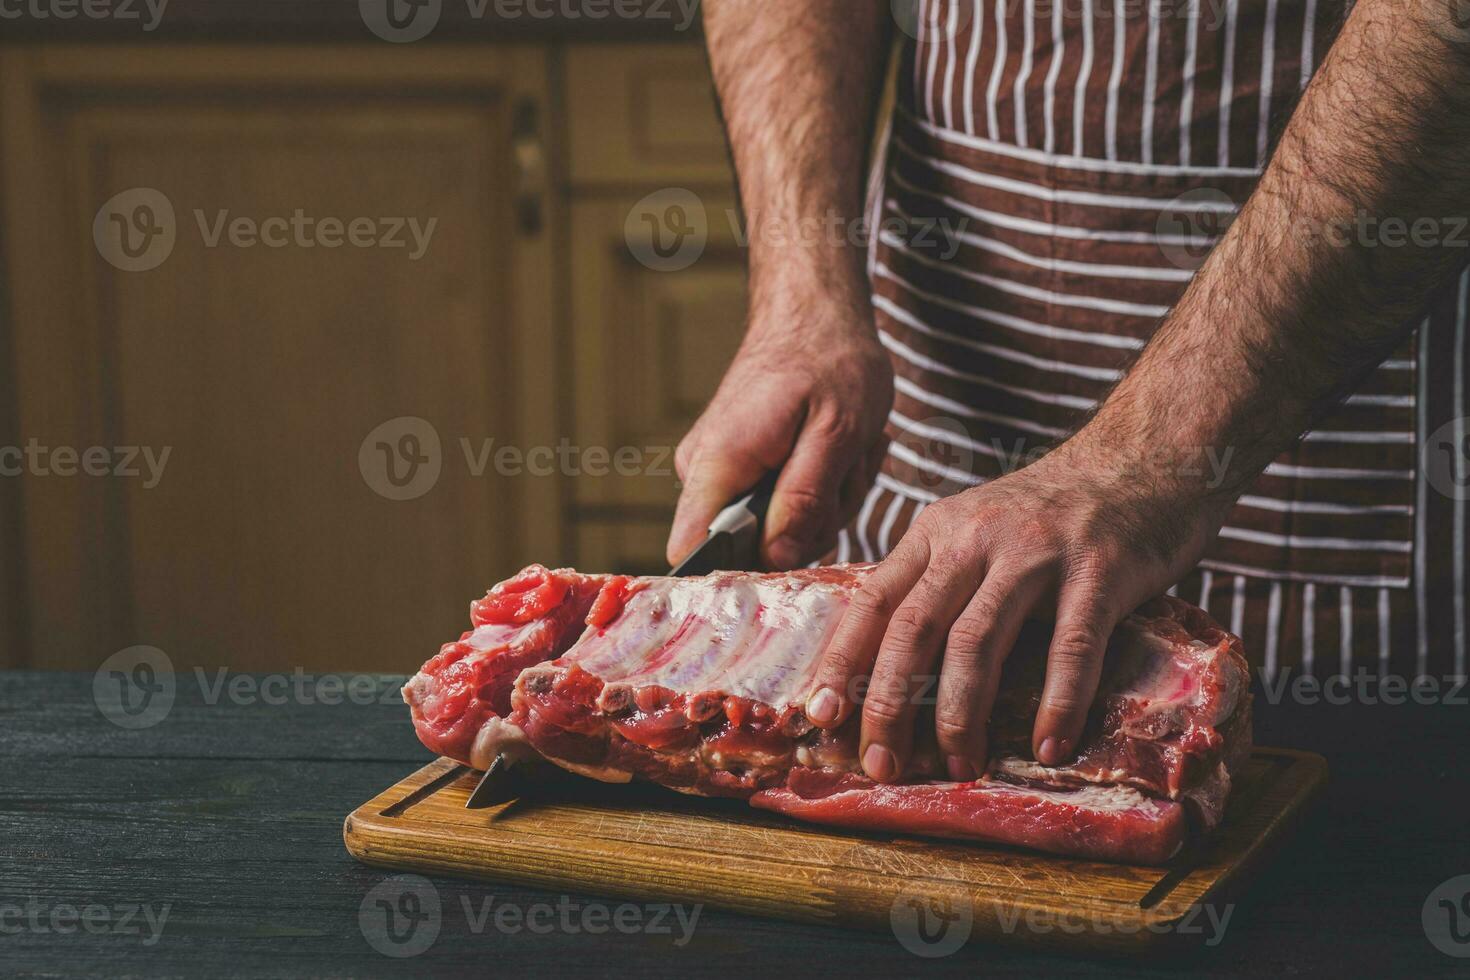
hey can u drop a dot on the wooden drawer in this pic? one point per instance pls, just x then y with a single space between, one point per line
643 114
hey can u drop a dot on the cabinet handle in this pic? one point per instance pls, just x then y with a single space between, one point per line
529 153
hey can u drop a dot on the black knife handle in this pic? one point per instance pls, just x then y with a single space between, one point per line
760 497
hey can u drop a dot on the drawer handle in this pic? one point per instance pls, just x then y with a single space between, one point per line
529 153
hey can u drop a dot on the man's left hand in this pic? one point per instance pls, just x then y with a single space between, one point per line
1070 533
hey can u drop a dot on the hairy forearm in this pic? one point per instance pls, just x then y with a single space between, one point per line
1296 303
798 85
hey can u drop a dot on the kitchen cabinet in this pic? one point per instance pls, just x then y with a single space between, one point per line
344 296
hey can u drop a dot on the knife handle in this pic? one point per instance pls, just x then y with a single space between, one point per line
760 496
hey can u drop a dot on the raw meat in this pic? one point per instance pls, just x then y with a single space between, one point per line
697 684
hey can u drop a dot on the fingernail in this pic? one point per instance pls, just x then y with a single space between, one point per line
880 764
823 706
960 769
1053 751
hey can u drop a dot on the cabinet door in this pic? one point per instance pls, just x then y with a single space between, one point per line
658 284
339 252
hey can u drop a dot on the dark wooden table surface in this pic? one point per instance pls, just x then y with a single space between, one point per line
228 813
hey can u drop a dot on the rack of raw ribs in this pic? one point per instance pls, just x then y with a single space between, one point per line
697 684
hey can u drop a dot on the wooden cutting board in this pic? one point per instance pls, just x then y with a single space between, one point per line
643 843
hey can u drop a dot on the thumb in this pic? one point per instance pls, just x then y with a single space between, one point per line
807 503
713 480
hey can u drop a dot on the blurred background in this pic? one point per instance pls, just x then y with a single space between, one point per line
319 318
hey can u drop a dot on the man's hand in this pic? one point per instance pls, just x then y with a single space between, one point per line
810 389
1072 533
1288 314
810 402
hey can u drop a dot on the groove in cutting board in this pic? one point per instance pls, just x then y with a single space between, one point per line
638 841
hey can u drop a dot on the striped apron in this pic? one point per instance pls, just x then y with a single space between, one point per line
1053 174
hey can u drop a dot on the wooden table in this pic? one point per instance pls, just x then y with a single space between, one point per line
230 814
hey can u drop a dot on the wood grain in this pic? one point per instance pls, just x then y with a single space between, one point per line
641 842
263 369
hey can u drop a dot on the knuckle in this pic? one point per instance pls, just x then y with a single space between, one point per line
967 640
1067 703
684 457
955 562
835 427
869 603
913 627
882 710
1088 564
837 665
955 728
804 505
1074 649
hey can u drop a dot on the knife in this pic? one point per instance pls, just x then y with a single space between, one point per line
733 542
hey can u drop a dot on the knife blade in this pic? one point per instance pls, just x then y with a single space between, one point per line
733 543
734 538
498 785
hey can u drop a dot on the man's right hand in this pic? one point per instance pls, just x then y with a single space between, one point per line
807 394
